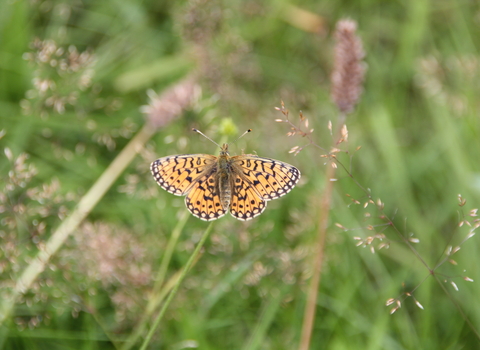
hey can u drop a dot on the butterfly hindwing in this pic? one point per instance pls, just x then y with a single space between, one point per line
246 202
203 200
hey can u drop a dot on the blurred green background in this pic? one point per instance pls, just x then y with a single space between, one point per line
73 75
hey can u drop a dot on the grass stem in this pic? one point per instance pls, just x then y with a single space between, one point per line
174 291
160 288
324 207
71 223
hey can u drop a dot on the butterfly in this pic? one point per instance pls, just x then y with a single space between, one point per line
215 185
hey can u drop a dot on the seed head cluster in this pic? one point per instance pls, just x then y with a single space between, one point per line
164 108
60 75
348 72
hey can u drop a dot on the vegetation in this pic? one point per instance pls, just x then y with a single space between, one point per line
92 92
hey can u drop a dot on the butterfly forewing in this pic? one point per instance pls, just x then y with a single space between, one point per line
177 174
271 178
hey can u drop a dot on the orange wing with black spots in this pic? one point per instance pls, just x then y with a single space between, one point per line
248 182
203 200
192 175
246 202
177 174
270 178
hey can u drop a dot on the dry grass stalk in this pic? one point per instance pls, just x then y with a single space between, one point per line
304 20
172 103
346 79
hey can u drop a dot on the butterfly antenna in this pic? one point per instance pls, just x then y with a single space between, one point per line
208 138
242 135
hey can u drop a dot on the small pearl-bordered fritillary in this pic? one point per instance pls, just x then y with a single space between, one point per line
213 185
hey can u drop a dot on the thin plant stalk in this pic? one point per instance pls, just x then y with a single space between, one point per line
324 208
157 300
159 288
174 291
266 318
71 223
347 78
167 256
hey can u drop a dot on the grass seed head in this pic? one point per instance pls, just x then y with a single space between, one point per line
349 69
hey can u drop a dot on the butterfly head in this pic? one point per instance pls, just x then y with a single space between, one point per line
224 150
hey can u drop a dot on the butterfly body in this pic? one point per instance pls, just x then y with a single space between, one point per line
215 185
223 178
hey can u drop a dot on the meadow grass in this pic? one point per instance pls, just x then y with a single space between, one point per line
78 109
